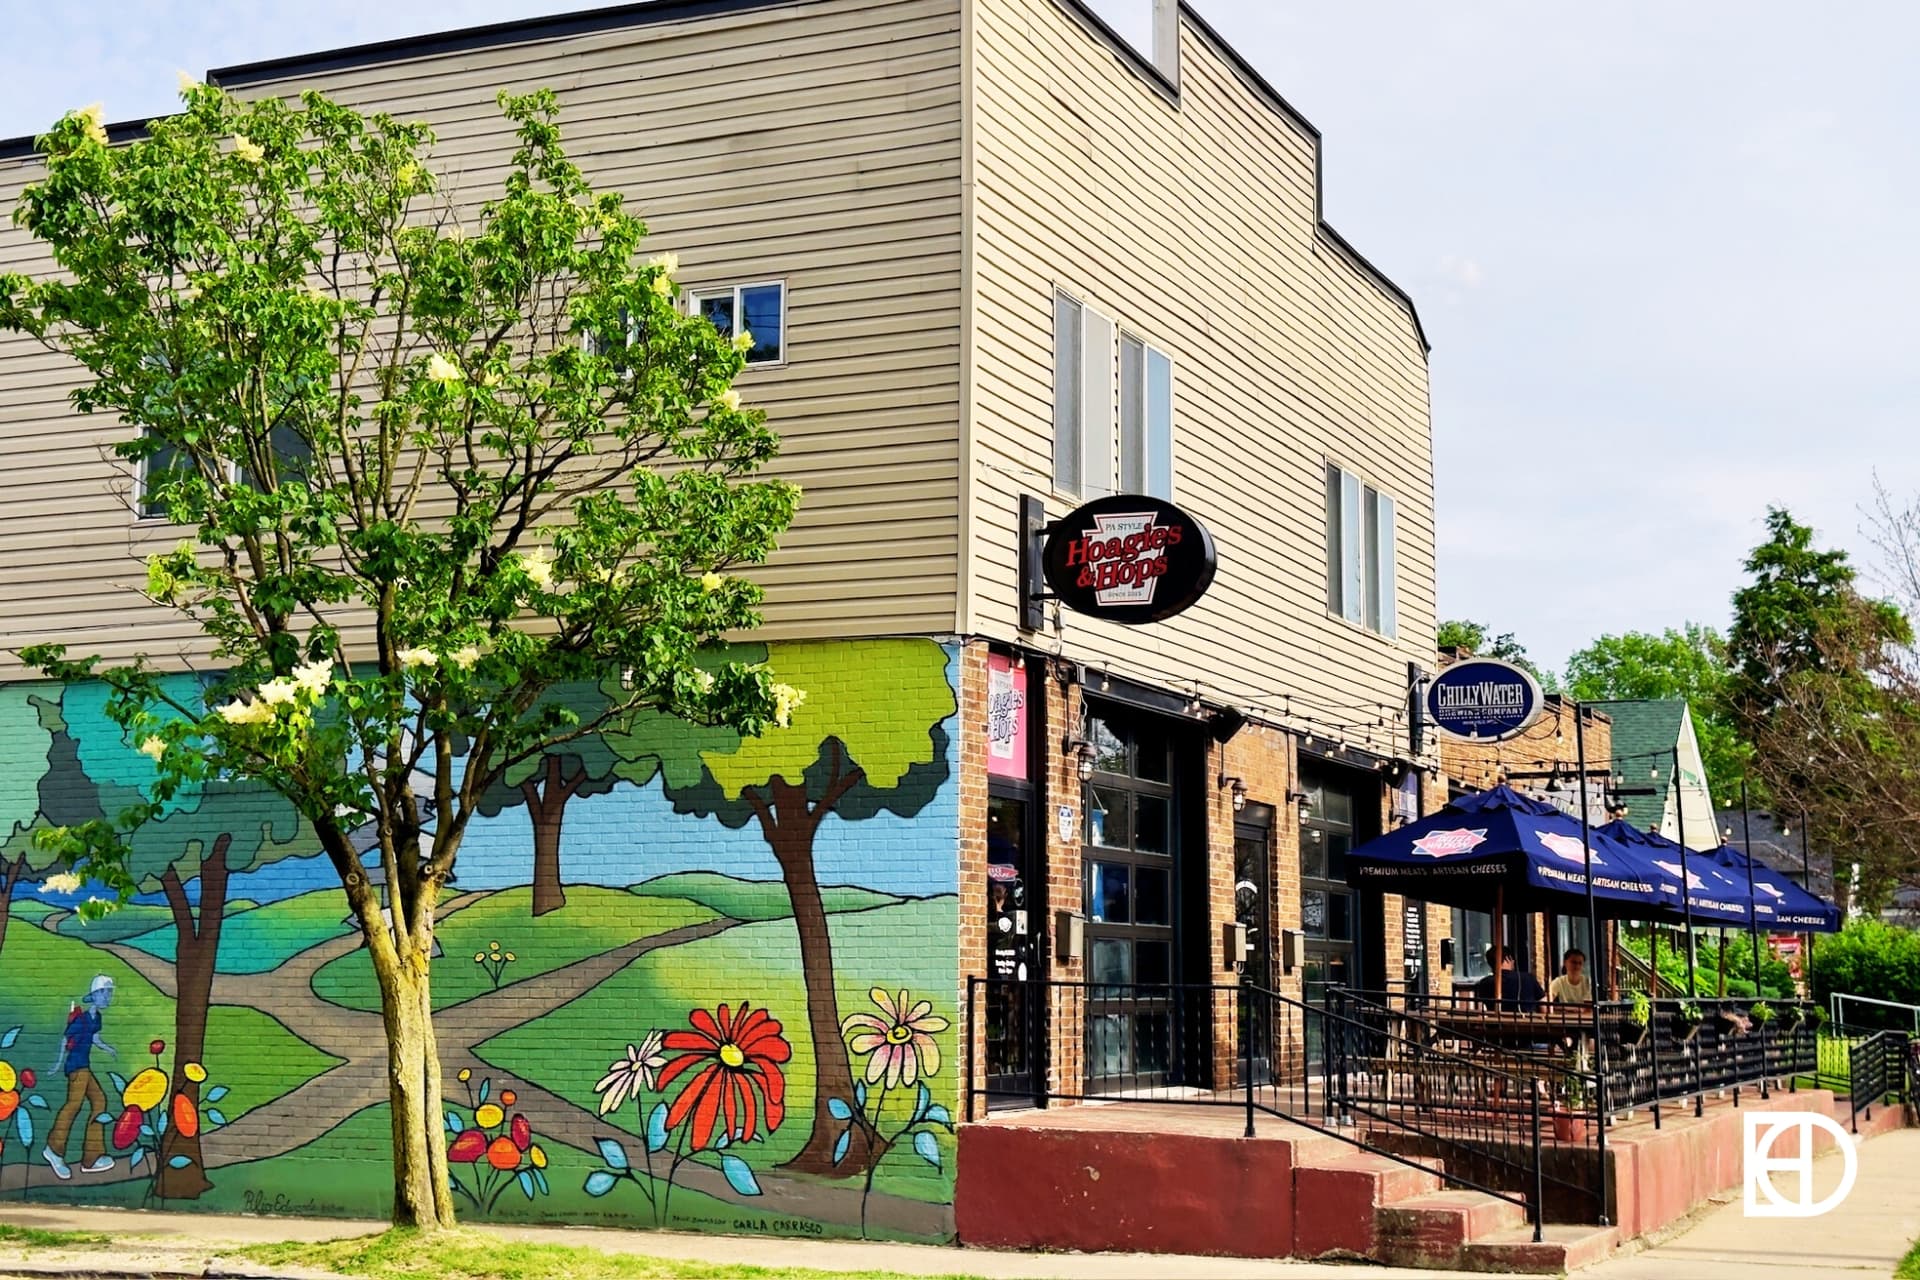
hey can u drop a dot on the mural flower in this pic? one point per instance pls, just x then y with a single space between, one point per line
627 1076
154 1119
898 1044
898 1041
16 1097
496 1145
732 1089
738 1073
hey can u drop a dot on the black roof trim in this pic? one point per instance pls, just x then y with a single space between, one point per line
117 132
516 31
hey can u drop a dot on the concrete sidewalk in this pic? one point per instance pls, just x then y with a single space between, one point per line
1863 1237
1866 1235
179 1245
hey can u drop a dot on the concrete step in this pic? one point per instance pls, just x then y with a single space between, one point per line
1337 1199
1434 1229
1561 1248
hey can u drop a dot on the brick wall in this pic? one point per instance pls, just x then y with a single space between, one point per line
675 905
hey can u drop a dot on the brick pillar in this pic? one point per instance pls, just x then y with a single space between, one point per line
973 855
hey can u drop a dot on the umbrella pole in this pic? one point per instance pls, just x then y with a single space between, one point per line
1593 934
1806 881
1499 931
1753 913
1686 878
1653 957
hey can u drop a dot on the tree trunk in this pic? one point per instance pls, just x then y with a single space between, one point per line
547 805
421 1195
791 838
196 955
7 882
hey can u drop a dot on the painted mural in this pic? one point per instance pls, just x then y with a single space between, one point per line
684 979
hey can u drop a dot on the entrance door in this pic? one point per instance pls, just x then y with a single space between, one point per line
1129 860
1013 1028
1252 873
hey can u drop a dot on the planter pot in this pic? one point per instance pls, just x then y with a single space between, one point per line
1568 1127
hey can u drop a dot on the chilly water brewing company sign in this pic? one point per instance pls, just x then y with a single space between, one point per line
1128 559
1483 699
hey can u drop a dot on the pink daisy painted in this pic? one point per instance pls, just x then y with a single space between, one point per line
898 1041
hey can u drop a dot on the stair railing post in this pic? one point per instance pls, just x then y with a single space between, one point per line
1247 1034
1539 1179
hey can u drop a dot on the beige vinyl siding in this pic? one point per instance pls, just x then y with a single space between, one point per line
1195 227
817 143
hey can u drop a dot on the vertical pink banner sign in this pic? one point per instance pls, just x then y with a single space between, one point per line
1006 718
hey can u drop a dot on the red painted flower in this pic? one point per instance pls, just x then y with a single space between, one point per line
739 1085
26 1078
521 1132
468 1147
157 1048
126 1130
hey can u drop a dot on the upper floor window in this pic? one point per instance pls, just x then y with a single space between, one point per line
1360 552
760 309
291 452
1112 420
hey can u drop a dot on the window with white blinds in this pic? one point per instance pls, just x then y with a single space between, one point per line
1112 407
1360 553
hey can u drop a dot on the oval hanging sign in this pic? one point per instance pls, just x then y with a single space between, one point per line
1129 559
1484 699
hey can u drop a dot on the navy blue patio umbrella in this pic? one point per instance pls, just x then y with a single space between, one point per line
1714 891
1527 852
1778 902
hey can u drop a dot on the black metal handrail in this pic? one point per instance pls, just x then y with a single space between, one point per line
1879 1067
1555 1065
1672 1050
1458 1117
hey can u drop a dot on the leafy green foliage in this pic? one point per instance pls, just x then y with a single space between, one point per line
1478 639
1826 685
1689 664
1869 958
317 349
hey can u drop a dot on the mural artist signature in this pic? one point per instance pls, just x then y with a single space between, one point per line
261 1202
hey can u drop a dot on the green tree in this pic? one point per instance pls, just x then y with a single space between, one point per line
545 783
1800 613
432 454
1826 687
868 738
1874 959
1689 664
1478 639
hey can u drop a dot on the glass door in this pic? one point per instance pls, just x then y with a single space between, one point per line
1013 1022
1128 857
1327 904
1252 873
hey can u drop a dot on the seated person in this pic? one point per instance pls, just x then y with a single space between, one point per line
1507 988
1573 986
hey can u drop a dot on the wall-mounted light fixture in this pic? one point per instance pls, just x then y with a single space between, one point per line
1235 787
1082 752
1301 801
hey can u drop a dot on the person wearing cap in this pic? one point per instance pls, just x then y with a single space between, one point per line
83 1091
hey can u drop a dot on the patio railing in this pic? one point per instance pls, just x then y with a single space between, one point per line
1268 1055
1879 1069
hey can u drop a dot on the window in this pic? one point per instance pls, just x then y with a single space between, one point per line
1360 553
289 447
1472 935
759 309
1083 399
1146 419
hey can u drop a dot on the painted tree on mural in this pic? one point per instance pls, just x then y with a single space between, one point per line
431 456
869 737
544 784
31 718
188 854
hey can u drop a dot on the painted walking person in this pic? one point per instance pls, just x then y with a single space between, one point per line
85 1099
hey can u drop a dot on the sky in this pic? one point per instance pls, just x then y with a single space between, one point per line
1665 253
